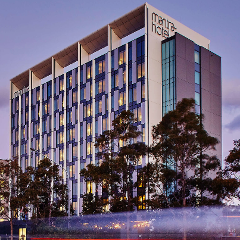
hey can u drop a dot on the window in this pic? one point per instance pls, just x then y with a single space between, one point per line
130 76
122 57
197 98
135 94
130 52
75 151
197 77
89 129
112 60
89 148
61 84
121 98
89 72
197 57
139 114
61 120
69 80
143 90
81 131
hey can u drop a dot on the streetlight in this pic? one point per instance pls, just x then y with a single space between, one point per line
51 196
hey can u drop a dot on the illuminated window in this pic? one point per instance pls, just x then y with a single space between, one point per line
26 100
116 80
143 90
61 120
89 148
70 171
46 108
120 61
143 134
38 95
89 72
103 85
100 67
61 138
141 200
88 110
120 143
104 124
89 129
49 141
89 187
134 94
70 81
75 151
139 114
61 155
73 170
74 96
140 161
91 91
100 87
143 69
139 71
124 77
73 133
121 100
61 84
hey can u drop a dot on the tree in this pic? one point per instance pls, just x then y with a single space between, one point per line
12 190
49 195
119 150
231 172
180 148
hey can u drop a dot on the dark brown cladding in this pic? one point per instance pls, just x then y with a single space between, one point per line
211 101
185 70
211 94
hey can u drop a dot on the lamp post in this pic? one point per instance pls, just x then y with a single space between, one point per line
51 192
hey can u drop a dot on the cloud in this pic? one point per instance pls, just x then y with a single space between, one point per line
4 97
231 93
234 124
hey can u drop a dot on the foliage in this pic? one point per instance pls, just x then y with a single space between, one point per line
48 185
183 165
91 204
119 151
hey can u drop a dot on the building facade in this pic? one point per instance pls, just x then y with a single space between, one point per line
62 117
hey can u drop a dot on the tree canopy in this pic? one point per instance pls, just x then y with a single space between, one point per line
119 151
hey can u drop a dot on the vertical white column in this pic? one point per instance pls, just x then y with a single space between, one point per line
52 118
93 118
10 120
40 127
109 76
29 117
147 127
79 154
65 134
126 73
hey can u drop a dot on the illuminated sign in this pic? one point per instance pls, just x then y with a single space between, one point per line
162 26
20 92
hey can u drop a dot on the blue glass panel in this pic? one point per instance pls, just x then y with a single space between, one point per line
197 67
197 98
197 48
197 109
197 77
197 88
197 57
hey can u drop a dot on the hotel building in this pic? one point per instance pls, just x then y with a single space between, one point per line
147 74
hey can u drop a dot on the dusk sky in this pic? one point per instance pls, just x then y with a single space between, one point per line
32 31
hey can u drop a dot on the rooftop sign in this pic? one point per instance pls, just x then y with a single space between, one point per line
162 26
